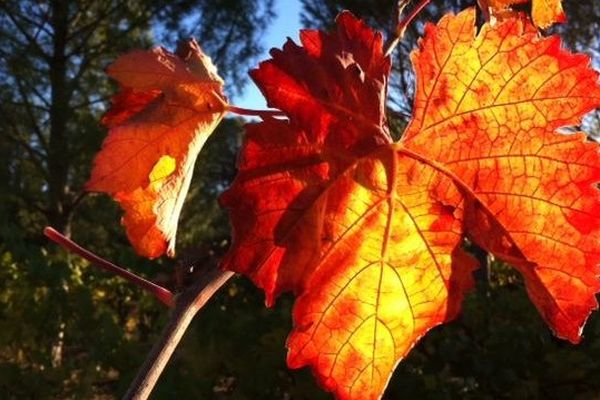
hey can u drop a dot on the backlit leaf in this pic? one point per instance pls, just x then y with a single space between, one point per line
168 106
544 13
368 233
488 110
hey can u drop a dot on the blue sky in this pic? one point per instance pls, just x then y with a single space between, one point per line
286 24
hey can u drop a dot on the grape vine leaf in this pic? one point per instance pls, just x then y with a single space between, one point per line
168 106
544 13
367 232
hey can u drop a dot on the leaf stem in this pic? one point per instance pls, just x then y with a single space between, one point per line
188 304
255 113
162 294
404 23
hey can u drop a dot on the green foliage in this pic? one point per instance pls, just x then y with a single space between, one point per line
67 329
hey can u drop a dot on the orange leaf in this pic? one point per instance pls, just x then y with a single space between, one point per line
544 13
390 269
126 103
487 108
169 105
368 232
325 205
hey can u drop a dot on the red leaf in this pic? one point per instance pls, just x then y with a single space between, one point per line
126 103
324 203
169 105
368 232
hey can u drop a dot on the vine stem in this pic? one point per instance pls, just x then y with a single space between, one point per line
162 294
187 306
404 23
254 113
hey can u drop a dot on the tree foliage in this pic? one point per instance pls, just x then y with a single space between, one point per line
67 331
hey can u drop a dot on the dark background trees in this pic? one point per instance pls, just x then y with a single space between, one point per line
68 331
65 330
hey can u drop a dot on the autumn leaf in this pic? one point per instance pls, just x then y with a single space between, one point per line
168 106
544 13
488 110
327 206
288 167
368 232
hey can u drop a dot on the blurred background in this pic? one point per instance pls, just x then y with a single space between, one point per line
70 331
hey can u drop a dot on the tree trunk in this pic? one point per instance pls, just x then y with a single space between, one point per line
58 154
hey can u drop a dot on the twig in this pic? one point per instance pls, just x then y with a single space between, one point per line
404 23
398 12
187 306
255 113
162 294
77 200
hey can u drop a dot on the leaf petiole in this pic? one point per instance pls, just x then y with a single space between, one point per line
162 294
